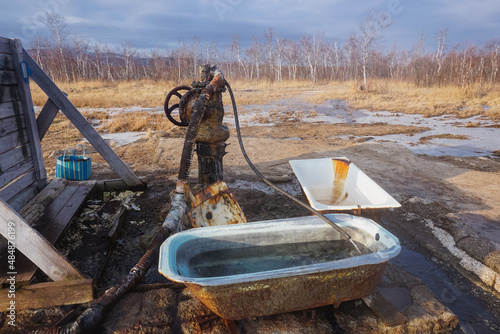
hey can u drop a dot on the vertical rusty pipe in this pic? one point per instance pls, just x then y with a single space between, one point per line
210 168
194 125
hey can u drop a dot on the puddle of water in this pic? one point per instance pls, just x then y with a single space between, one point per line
483 140
122 138
456 293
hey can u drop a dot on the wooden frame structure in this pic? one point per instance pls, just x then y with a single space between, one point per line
38 213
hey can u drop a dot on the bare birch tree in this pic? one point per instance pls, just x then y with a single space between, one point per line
56 24
367 35
441 37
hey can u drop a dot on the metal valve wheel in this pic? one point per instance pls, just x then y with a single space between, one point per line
170 109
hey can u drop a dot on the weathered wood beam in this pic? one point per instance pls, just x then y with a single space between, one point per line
15 171
8 77
120 184
4 46
11 140
23 196
37 205
7 109
29 115
17 186
12 124
46 117
43 295
9 94
35 247
6 62
53 221
15 156
80 122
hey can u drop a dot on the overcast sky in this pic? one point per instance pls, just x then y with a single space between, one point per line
161 24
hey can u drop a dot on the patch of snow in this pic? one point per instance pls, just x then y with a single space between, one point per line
486 275
122 138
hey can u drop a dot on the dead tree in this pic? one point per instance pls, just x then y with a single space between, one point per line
441 37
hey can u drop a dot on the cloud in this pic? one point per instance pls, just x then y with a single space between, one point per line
152 23
478 13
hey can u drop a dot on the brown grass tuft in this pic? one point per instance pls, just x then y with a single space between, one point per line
137 121
426 139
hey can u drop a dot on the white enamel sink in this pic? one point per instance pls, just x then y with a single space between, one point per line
358 191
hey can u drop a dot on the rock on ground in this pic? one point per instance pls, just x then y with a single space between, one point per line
424 312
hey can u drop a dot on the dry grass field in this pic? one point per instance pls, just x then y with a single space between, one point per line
148 93
387 95
404 97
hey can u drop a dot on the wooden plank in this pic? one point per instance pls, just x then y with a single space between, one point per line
29 242
35 208
119 184
7 77
14 157
384 309
11 124
4 45
9 93
29 116
6 193
53 222
14 172
63 208
46 117
6 62
13 139
79 121
43 295
24 196
7 109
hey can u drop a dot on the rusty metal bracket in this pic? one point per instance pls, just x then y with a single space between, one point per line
204 320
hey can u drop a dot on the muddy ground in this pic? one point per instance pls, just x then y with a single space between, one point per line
449 211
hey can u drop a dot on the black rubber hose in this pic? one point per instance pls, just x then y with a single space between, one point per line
259 174
191 134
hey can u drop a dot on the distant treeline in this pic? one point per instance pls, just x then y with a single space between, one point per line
269 57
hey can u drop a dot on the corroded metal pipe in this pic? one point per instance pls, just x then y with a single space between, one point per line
194 125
